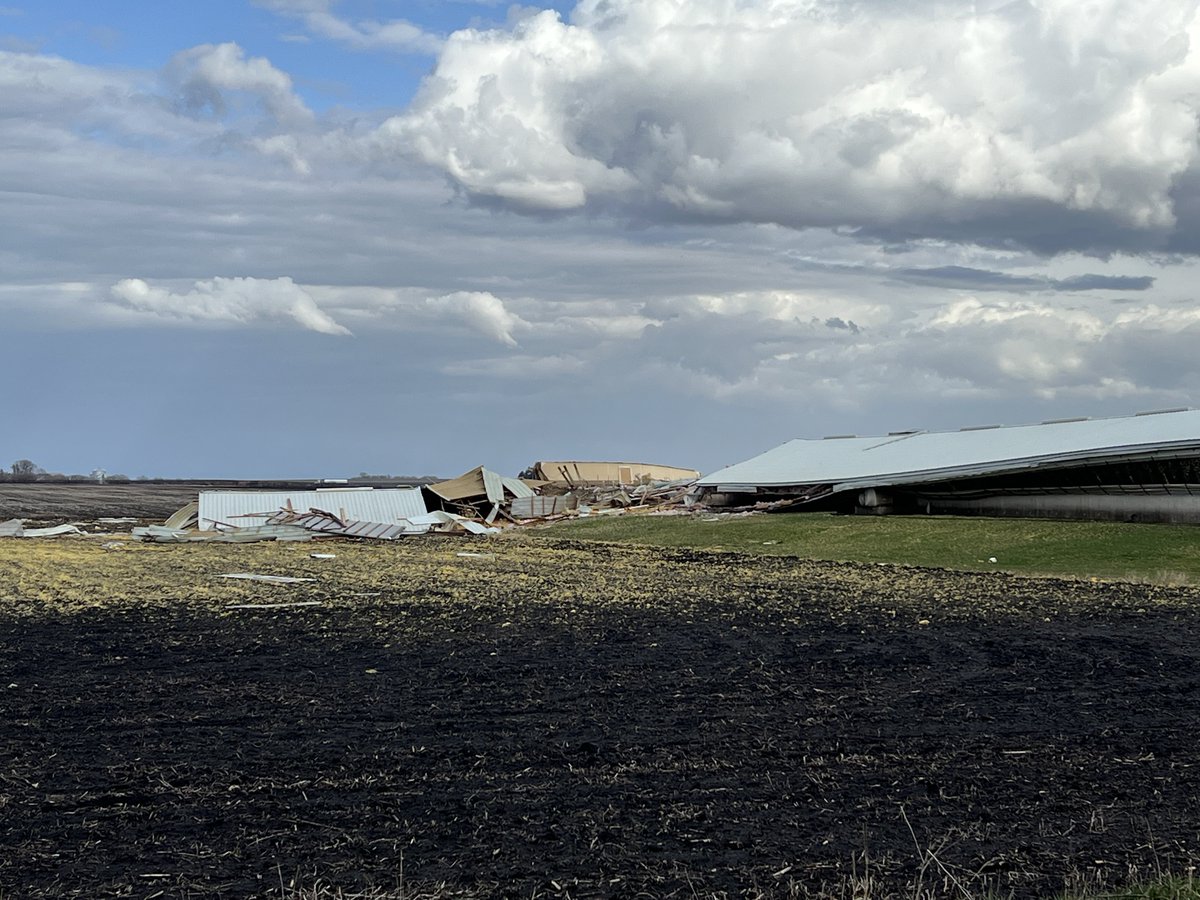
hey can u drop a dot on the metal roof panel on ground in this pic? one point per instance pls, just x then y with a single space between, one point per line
242 508
917 457
324 523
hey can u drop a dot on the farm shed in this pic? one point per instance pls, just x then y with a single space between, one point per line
1137 468
582 472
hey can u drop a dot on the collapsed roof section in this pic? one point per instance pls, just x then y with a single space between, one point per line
480 484
1147 451
914 457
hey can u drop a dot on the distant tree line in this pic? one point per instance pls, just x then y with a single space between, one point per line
26 471
403 479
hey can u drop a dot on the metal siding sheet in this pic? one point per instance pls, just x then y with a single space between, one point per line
517 487
864 462
241 508
536 507
493 486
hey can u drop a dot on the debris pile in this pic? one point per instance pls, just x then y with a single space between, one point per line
479 493
478 502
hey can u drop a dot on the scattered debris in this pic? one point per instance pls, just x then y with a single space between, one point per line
161 534
442 522
479 502
16 528
323 555
186 517
273 579
321 522
477 555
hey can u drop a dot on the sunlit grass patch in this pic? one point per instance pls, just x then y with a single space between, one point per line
1162 554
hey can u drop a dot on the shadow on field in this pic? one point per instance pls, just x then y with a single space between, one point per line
203 754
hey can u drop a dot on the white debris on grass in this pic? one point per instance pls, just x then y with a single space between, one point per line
273 579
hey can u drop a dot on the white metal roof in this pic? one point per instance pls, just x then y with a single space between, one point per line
917 457
255 507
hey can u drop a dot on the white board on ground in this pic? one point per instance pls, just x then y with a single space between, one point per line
273 579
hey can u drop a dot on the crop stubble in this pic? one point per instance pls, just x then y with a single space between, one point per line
608 720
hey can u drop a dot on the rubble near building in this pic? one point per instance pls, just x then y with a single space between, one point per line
246 516
574 473
478 502
16 528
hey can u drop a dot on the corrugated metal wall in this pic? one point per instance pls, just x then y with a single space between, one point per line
255 507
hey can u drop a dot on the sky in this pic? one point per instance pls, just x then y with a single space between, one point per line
311 238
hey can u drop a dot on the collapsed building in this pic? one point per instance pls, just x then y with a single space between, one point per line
478 502
1132 468
249 516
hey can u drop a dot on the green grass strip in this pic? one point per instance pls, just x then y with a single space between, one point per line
1165 554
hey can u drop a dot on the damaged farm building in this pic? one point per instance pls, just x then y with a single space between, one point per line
478 502
1144 467
573 472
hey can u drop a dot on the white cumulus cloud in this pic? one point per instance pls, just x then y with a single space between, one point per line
238 301
481 311
934 117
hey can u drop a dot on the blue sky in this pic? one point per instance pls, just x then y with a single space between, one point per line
300 238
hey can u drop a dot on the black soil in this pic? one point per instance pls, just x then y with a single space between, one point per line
686 747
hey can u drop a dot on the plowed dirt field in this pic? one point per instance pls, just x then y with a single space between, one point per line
565 719
63 502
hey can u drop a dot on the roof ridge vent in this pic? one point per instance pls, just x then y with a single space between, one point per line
1069 419
903 433
980 427
1160 412
838 437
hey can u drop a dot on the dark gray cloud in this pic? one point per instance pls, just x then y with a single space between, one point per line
968 278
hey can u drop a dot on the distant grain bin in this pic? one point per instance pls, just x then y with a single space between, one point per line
590 472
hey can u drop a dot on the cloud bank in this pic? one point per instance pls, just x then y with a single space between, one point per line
1027 122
